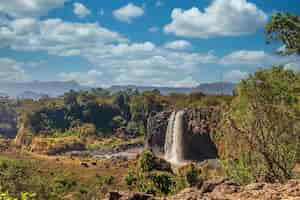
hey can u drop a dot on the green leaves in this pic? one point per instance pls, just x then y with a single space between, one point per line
285 28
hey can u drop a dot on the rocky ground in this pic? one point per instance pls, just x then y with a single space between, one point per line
224 189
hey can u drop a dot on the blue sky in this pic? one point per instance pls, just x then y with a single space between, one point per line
153 42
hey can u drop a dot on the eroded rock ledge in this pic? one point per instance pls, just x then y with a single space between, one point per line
224 189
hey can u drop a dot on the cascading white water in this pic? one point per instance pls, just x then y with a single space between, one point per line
174 138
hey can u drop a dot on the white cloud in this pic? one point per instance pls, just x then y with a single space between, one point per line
159 3
29 8
11 70
81 10
55 36
90 78
221 18
128 13
178 45
153 29
235 75
115 59
255 58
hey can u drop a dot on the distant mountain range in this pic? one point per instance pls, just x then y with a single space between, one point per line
206 88
38 89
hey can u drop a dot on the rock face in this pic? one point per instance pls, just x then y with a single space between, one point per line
156 132
200 125
222 188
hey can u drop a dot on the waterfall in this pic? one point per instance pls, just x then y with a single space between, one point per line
174 145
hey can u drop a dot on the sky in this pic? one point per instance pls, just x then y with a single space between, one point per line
139 42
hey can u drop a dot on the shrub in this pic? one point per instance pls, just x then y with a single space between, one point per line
63 185
193 175
131 178
146 162
107 180
163 182
238 170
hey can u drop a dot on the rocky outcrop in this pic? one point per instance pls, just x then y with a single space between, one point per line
221 189
156 132
200 125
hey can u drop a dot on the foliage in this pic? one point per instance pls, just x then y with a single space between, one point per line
107 180
23 196
162 181
130 178
192 175
146 162
285 28
264 119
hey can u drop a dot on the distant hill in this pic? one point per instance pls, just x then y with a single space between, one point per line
31 95
38 88
163 90
216 88
206 88
3 94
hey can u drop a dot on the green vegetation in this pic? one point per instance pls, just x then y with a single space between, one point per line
285 28
264 118
153 175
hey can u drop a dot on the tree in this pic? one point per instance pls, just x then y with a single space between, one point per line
264 119
285 28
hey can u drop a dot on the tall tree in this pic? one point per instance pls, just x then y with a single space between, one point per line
285 28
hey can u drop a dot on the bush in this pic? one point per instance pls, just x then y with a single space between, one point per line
131 178
146 162
63 185
238 170
163 182
107 180
193 175
23 196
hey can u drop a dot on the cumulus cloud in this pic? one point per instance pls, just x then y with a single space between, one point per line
29 8
255 58
128 13
11 70
221 18
90 78
178 45
81 10
55 36
235 75
118 60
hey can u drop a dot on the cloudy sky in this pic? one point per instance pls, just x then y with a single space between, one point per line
143 42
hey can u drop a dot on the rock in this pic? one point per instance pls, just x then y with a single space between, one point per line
129 196
225 189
